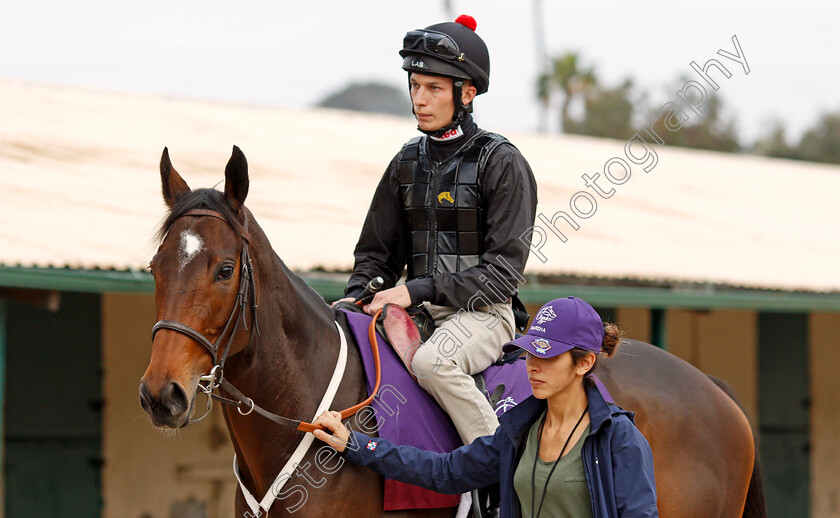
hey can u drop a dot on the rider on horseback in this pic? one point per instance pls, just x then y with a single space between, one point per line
456 207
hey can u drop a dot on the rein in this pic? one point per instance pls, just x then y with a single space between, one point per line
215 379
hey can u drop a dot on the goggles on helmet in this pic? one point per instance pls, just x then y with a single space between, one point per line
434 42
439 45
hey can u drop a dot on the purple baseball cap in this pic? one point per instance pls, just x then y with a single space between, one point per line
559 326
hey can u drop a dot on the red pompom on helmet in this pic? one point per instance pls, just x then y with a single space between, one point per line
467 21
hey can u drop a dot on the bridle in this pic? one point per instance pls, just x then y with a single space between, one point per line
215 379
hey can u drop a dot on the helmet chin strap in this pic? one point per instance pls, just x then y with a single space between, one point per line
461 110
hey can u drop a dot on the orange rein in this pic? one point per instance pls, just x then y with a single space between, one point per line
374 346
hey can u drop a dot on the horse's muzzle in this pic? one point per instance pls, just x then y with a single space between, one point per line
170 410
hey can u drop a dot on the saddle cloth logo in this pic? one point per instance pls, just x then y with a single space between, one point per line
546 314
504 405
445 195
541 346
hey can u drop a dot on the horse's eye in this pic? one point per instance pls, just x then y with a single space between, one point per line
226 272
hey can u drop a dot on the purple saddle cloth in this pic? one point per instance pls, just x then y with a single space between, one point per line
408 415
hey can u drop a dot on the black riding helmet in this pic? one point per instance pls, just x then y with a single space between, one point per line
449 49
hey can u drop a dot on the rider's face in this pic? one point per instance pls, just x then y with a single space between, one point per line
431 97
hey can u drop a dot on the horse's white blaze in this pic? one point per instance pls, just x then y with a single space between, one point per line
191 245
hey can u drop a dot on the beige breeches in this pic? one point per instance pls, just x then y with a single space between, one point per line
464 343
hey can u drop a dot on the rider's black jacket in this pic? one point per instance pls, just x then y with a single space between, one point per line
508 195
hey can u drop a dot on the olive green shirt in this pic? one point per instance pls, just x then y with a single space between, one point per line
567 495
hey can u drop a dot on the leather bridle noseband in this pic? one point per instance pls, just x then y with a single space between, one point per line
215 379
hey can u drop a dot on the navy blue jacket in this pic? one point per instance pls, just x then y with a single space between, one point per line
617 461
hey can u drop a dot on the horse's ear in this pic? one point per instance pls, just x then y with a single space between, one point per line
171 182
236 179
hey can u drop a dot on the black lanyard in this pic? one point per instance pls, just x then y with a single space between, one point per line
536 460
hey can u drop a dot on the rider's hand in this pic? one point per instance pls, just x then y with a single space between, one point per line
398 295
332 422
345 299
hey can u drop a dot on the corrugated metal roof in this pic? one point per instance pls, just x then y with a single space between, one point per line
80 188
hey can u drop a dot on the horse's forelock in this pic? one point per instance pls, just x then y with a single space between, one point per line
198 199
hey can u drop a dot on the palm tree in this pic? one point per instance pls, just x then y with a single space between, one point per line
570 78
542 60
449 9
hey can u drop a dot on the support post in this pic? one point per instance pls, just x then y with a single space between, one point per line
2 405
659 328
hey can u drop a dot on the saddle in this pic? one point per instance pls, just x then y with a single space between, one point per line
404 332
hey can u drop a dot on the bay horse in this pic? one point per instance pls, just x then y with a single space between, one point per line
212 251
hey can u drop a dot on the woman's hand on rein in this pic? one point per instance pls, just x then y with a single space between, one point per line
332 421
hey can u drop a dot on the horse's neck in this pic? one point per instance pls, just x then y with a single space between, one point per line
285 370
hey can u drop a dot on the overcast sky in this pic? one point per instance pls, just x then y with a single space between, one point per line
293 54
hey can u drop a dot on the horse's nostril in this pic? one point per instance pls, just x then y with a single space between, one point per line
166 394
174 399
145 397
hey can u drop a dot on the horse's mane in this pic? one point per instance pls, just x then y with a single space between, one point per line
198 199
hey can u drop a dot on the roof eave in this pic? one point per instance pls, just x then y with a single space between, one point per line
331 286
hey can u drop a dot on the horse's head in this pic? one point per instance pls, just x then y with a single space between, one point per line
197 272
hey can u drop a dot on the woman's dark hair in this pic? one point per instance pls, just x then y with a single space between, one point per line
612 337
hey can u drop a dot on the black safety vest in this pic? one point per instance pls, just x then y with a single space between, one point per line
443 212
